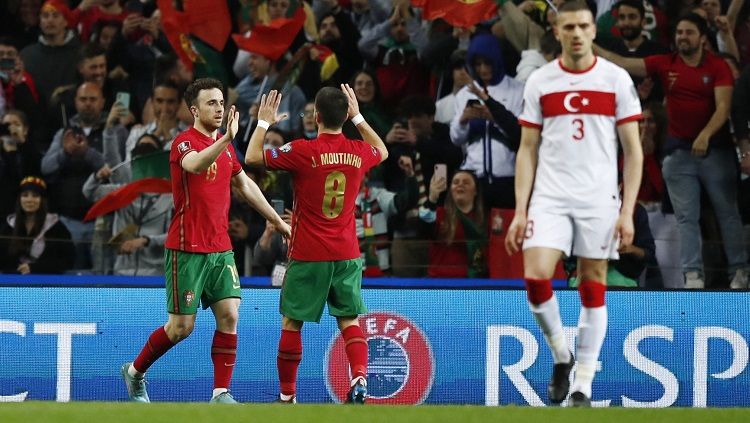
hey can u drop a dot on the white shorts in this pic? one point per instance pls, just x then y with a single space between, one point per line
584 233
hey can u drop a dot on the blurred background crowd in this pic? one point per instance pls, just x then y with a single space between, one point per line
90 100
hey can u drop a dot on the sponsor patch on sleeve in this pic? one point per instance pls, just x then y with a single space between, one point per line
184 146
274 153
286 148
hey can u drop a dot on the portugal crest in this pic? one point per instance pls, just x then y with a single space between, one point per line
188 296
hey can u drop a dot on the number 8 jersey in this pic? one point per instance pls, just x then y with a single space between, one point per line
328 174
578 113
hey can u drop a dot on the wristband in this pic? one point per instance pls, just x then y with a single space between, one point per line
263 124
356 120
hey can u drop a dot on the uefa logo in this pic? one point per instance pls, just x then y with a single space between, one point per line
400 368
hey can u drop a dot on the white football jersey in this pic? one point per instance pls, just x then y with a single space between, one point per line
578 113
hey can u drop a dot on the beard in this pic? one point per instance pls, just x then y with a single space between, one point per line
687 49
630 33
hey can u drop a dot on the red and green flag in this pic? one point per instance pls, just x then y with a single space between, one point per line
150 176
459 13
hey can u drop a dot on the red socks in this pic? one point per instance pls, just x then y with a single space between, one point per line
356 350
158 344
223 355
290 354
538 290
592 293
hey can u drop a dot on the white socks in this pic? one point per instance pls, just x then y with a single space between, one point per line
286 397
547 315
592 328
218 391
135 373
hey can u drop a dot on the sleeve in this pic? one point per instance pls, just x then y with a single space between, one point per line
628 106
459 133
370 156
531 116
368 44
180 148
236 166
655 64
55 157
722 74
288 157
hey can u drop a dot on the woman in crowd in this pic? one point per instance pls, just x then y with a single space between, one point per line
459 227
33 240
367 90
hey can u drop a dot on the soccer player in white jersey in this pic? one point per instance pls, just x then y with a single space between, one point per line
574 108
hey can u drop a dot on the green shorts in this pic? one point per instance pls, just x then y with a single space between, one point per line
309 285
209 277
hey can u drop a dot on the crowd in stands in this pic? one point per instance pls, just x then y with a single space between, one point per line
90 89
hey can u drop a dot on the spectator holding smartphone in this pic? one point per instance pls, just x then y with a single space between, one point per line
17 157
488 129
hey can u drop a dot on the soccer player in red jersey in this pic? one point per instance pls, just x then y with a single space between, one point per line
325 264
199 263
699 150
574 109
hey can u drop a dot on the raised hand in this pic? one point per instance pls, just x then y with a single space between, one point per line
233 122
353 109
269 107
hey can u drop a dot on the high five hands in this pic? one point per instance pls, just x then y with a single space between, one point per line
269 107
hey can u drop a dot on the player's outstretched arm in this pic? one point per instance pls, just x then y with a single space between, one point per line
254 196
631 178
635 66
269 105
198 161
368 134
526 161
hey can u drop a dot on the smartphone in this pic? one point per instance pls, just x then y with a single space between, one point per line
124 99
278 205
473 102
441 170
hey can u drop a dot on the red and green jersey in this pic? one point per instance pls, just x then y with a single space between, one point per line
689 91
328 173
201 201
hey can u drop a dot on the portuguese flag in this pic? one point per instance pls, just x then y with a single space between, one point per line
459 13
150 175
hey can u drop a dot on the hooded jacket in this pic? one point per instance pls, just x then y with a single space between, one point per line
490 147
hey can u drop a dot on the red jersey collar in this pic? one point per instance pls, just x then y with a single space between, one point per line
562 66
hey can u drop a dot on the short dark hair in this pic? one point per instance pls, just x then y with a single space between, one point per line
574 6
633 4
89 51
416 105
9 41
696 20
192 91
164 65
279 132
166 83
20 114
332 106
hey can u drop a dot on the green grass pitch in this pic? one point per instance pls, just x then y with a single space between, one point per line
103 412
